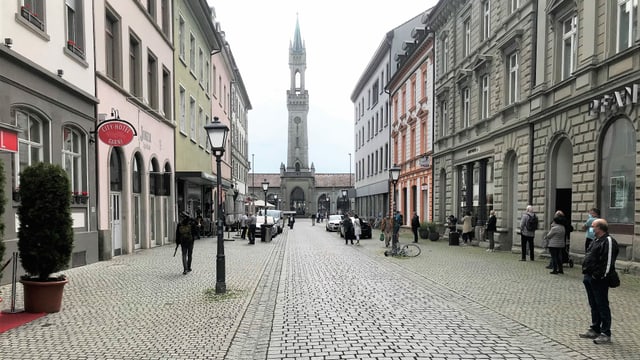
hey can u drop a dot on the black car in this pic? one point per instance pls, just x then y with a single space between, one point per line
365 228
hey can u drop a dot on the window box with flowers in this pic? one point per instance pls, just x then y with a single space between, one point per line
31 16
80 197
75 48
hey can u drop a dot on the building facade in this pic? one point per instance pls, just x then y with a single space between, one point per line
48 110
372 122
134 72
535 104
411 92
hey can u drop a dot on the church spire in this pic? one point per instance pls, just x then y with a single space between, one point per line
297 38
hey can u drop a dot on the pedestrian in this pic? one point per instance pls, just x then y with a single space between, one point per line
528 226
415 224
491 229
386 226
554 240
357 228
598 262
243 225
594 213
184 237
313 219
467 227
252 228
397 223
292 220
347 228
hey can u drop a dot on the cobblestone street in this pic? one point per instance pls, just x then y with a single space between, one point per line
307 295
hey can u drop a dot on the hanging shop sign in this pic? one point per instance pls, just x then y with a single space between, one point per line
116 132
616 101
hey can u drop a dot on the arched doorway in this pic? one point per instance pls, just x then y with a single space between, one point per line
297 201
510 203
323 205
560 179
115 200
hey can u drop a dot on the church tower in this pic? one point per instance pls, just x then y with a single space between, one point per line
298 107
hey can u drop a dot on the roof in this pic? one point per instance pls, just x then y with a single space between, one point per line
322 180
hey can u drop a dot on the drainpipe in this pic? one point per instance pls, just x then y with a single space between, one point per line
534 44
531 133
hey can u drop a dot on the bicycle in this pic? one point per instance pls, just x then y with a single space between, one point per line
406 250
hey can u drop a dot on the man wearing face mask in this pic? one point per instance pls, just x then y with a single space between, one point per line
594 213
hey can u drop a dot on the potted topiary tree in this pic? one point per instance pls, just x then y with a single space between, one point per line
423 230
45 235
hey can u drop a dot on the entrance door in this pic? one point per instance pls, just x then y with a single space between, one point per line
116 226
136 221
152 220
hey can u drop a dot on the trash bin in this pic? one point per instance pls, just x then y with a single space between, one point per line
454 238
265 232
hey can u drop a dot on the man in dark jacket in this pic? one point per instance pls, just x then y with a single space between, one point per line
415 224
598 262
184 237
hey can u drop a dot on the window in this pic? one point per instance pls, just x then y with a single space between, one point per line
486 20
374 92
136 175
134 66
201 67
33 12
484 97
31 136
617 179
152 80
207 145
445 55
183 110
202 135
113 50
166 93
466 110
512 87
513 6
151 8
192 118
214 81
75 27
72 152
181 39
166 17
569 46
192 53
206 80
466 41
444 118
627 23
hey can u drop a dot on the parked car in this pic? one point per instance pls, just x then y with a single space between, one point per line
278 220
365 228
333 223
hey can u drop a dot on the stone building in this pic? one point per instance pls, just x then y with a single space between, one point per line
536 104
297 187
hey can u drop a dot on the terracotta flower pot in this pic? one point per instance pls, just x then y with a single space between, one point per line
43 296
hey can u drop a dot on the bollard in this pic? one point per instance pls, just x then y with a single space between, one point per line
13 309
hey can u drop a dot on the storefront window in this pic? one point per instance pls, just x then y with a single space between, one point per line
617 179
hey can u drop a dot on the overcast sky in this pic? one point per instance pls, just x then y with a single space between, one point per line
341 37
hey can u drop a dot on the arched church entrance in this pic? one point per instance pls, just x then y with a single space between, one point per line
298 202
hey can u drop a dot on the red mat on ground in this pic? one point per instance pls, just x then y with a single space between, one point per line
10 321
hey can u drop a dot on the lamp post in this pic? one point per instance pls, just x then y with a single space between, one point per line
275 198
265 187
394 172
217 133
344 200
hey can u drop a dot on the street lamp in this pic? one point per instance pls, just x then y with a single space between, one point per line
217 133
394 172
344 199
265 187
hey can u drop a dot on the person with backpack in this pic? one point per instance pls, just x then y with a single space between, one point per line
528 226
184 237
